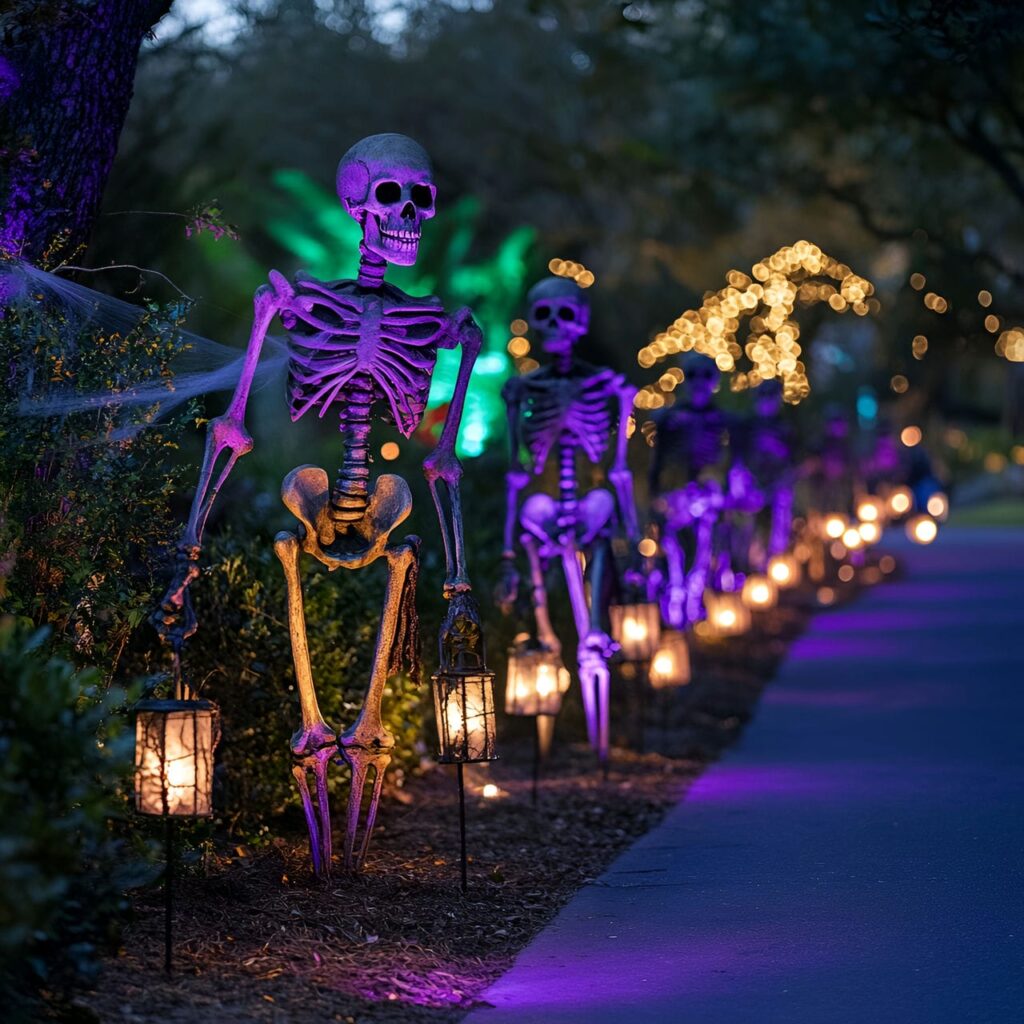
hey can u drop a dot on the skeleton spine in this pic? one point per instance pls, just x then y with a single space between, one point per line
567 481
349 497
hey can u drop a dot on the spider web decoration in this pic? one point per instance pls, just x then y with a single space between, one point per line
799 274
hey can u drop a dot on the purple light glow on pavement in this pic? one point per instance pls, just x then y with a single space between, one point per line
857 856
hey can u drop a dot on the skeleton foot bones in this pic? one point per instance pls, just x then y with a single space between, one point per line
361 349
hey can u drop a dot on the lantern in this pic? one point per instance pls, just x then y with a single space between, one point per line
870 509
537 679
784 571
938 506
727 615
464 706
922 529
901 501
852 538
637 629
835 525
670 665
760 592
174 744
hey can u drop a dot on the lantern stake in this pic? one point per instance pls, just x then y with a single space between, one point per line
168 888
462 828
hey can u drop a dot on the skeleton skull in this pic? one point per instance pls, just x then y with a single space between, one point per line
700 379
559 313
386 183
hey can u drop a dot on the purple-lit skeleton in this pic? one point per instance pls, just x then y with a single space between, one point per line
689 440
769 456
569 407
356 347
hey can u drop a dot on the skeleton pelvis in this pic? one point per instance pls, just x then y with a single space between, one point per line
540 514
306 493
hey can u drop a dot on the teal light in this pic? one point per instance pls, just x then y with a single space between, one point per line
310 223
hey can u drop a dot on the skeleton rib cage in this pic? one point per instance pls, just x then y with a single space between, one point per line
571 411
361 350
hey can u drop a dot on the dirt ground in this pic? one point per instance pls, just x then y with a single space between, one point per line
258 938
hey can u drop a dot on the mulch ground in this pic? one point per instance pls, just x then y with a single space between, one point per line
257 938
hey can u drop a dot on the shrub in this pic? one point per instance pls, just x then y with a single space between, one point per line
64 754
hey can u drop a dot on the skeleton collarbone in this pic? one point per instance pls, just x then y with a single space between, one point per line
567 410
342 336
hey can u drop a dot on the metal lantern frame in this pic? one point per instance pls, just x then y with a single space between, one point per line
523 696
463 689
760 592
197 731
673 646
640 646
717 602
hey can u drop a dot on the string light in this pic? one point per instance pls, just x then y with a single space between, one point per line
1010 345
796 274
568 268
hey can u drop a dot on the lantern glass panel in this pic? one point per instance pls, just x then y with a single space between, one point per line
536 682
670 665
174 744
464 708
637 629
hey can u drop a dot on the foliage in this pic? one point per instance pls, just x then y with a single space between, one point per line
85 495
241 658
64 753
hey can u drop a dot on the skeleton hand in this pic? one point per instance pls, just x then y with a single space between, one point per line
175 619
507 590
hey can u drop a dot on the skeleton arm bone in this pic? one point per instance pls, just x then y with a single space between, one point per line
620 476
175 620
516 478
442 463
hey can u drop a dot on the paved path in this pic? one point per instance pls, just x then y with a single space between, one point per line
858 858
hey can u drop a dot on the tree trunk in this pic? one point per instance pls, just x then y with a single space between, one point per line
67 71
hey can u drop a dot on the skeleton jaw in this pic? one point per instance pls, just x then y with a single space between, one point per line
396 243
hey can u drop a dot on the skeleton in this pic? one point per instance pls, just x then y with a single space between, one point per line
766 451
568 407
689 440
357 348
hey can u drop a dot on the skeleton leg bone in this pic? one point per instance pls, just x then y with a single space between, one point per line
367 743
314 743
539 595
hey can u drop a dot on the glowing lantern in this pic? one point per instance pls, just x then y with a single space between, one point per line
174 744
869 532
901 501
922 529
670 665
938 506
637 629
727 615
760 592
784 571
464 709
852 538
835 526
537 679
870 509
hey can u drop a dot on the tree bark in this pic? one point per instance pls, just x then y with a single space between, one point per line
67 71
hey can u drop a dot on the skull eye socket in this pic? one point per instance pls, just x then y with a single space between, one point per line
388 192
566 313
422 196
541 312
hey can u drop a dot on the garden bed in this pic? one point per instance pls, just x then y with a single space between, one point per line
257 938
